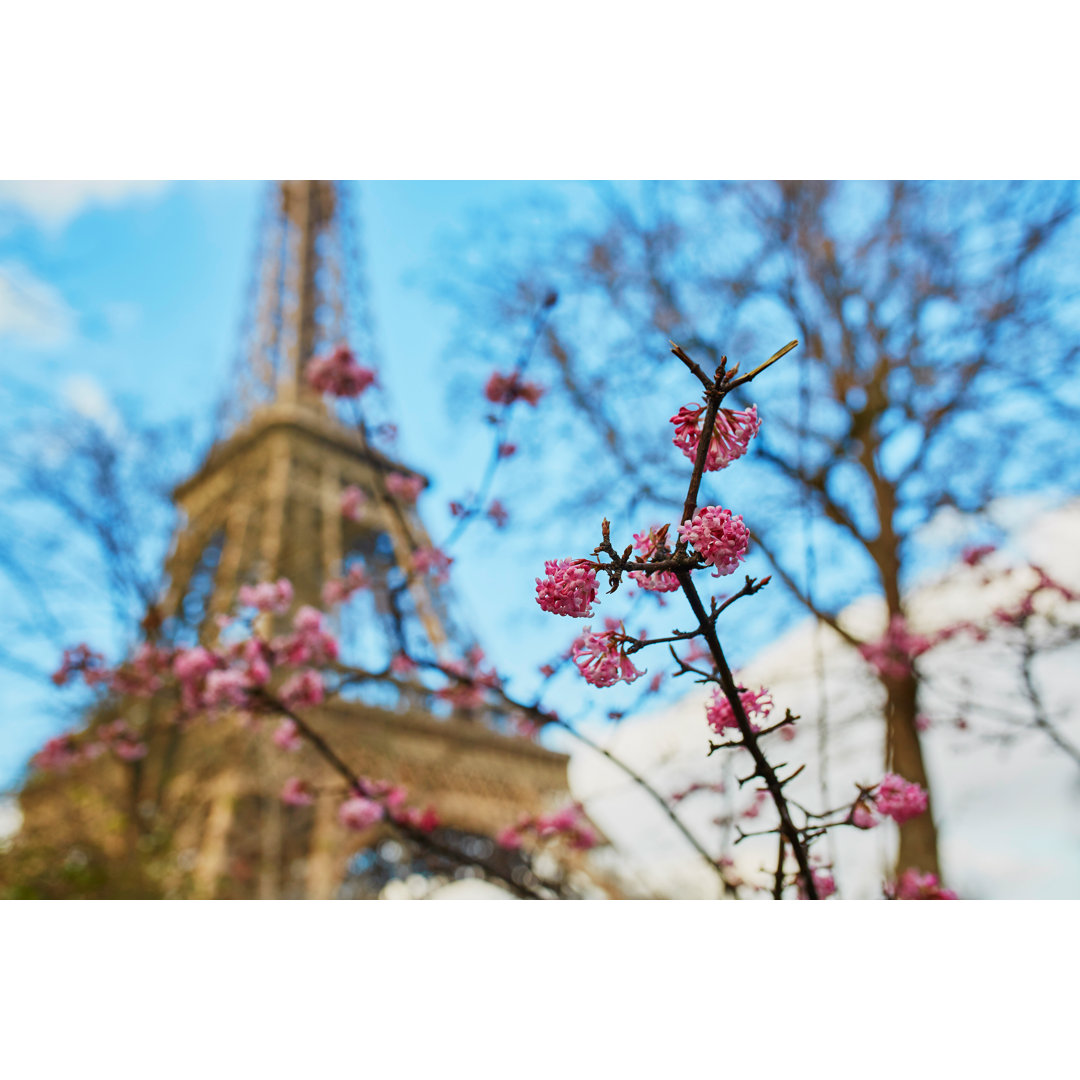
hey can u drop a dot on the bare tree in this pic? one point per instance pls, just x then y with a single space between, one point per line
937 368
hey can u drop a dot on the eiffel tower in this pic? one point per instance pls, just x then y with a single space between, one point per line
265 504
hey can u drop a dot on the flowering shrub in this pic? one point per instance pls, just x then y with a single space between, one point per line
282 677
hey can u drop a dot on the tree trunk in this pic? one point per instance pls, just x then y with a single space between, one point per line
903 755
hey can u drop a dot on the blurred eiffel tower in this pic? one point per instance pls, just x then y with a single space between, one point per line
266 503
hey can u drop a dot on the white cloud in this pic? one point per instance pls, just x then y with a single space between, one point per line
53 203
88 398
31 310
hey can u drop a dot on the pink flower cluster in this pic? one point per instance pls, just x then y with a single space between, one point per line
287 736
402 664
721 716
893 656
352 498
309 643
359 813
973 556
497 513
568 823
913 885
122 740
407 488
338 590
268 596
568 589
720 538
678 796
900 799
58 754
337 373
84 661
652 545
469 691
304 689
144 674
506 389
601 657
824 884
432 561
297 792
731 435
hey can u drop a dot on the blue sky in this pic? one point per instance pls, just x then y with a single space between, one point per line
128 299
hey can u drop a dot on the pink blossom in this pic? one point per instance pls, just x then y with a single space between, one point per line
432 561
506 389
497 513
524 725
359 813
83 660
297 792
402 664
601 657
718 537
651 546
721 715
337 373
191 667
508 838
914 885
893 656
57 754
583 838
468 691
309 643
568 589
255 654
352 498
338 590
731 436
426 820
142 676
899 799
194 663
824 884
975 555
305 688
507 450
862 817
457 509
129 749
228 687
287 736
568 823
268 596
406 488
